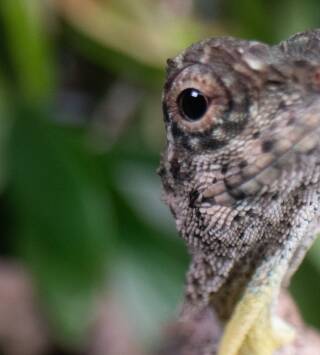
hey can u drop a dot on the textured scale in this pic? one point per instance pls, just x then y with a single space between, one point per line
243 181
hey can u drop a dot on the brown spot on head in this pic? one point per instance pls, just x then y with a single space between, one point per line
282 105
256 135
193 195
224 168
243 164
175 168
267 145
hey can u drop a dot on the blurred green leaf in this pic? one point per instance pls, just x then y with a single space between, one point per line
117 62
251 18
65 220
149 283
306 291
150 269
5 124
299 16
143 193
144 31
28 46
314 254
132 39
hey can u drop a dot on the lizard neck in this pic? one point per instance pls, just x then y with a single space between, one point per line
207 287
226 298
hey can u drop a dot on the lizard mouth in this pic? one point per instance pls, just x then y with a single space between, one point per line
269 155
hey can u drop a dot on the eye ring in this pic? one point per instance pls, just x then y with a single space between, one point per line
209 94
193 104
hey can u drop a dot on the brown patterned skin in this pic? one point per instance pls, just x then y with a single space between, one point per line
243 179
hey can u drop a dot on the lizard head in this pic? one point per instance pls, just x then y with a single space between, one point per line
242 138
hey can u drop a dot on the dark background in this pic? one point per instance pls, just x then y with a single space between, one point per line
90 262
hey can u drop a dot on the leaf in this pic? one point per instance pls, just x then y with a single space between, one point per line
28 46
5 125
144 31
143 193
131 38
306 291
149 283
66 224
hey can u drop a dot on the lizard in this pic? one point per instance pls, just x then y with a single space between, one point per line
241 176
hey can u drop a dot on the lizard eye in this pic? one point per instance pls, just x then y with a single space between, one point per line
192 104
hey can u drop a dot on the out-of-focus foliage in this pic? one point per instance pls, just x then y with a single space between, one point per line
80 136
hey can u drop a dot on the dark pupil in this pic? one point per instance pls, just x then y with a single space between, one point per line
192 104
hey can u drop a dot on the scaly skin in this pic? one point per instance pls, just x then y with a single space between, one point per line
243 179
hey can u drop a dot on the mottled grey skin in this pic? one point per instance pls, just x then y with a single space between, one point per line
243 182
